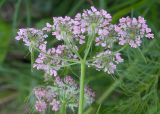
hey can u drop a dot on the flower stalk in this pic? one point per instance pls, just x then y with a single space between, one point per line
32 58
63 109
81 98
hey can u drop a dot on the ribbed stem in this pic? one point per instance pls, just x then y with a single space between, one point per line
81 97
63 109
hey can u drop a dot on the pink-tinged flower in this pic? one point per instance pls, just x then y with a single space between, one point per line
111 68
117 29
50 61
131 31
62 27
55 105
42 47
48 27
107 37
53 72
59 81
44 63
90 25
69 80
51 94
90 22
119 59
31 37
141 20
40 106
40 93
89 95
106 61
150 36
89 92
70 88
93 9
63 89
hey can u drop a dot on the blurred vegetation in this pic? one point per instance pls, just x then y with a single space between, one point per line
134 89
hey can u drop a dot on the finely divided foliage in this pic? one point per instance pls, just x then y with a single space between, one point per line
90 29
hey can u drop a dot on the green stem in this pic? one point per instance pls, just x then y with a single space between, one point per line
89 42
67 65
32 59
98 109
63 109
81 98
